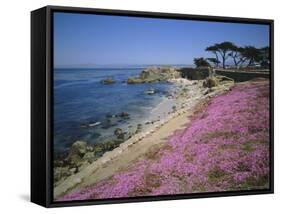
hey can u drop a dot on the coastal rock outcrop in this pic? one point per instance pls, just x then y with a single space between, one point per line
216 80
61 172
155 74
76 153
78 148
108 81
119 133
210 82
90 157
124 115
81 154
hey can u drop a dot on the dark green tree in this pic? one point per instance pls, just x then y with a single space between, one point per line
237 55
215 61
252 54
224 49
221 49
214 49
201 62
264 53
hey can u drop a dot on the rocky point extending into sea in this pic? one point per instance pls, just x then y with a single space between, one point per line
155 74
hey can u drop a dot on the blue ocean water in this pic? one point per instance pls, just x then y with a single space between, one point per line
80 98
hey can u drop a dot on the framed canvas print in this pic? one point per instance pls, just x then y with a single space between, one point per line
134 106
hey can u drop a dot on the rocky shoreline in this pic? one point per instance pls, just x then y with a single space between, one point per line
83 159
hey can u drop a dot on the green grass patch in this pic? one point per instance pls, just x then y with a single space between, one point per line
198 188
248 146
253 183
215 174
218 134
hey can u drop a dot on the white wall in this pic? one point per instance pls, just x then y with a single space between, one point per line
15 99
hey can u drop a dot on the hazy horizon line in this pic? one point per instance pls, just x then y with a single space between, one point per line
119 65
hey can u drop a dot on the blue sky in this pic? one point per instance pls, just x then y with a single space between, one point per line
85 39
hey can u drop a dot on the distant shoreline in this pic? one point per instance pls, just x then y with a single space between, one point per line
123 67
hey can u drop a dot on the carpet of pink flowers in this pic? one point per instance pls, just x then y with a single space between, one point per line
225 148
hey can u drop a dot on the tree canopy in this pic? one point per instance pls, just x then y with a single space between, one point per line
241 56
201 62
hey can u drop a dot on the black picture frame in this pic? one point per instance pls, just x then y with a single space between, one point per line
42 104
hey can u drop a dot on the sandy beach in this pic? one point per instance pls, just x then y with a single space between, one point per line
145 143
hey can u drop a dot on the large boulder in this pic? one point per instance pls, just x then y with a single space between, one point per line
217 80
108 81
124 115
210 82
78 148
76 152
119 133
90 157
61 173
